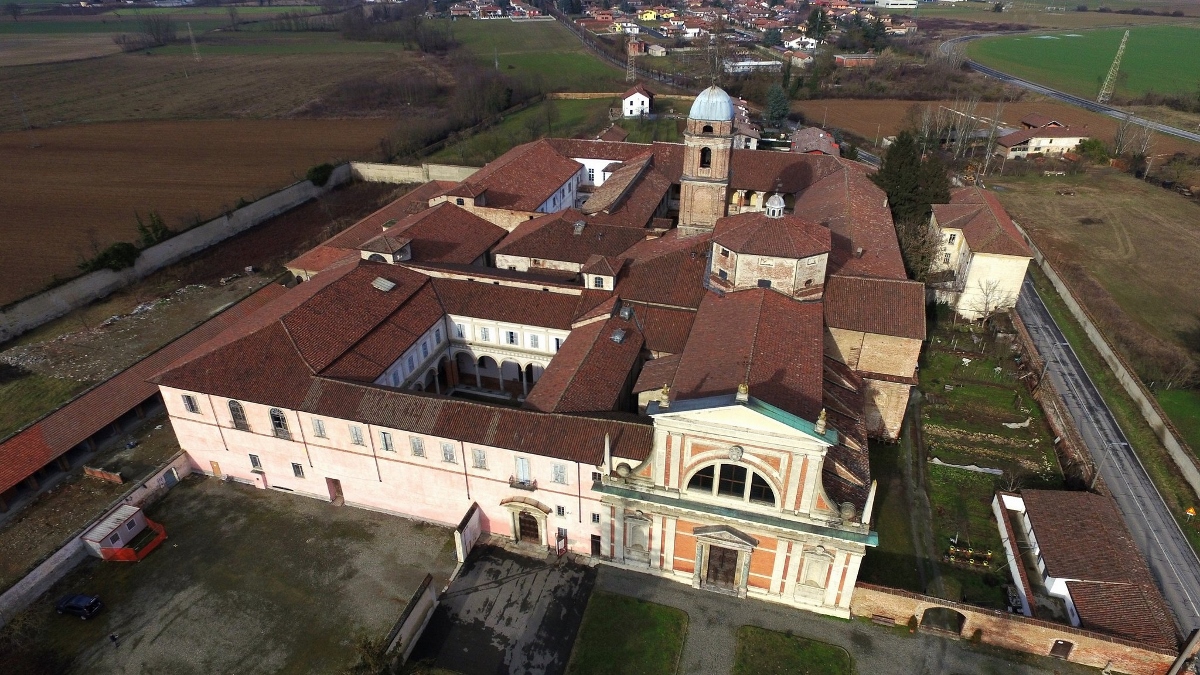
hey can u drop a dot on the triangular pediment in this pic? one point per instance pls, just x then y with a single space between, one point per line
754 416
724 534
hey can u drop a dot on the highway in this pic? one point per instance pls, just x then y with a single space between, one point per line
1173 563
1084 103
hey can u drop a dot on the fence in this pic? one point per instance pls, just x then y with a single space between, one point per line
1180 453
51 304
55 567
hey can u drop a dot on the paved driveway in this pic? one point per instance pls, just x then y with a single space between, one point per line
713 620
507 614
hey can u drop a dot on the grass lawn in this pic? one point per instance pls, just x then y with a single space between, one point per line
1157 58
1183 407
961 502
1175 491
648 131
573 117
766 652
628 636
1030 15
127 23
27 396
540 51
894 562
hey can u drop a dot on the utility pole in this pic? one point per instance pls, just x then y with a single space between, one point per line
1110 82
192 38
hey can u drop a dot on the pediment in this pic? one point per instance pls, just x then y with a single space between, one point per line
725 535
756 418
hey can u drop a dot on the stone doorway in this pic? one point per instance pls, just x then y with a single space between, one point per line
528 526
722 567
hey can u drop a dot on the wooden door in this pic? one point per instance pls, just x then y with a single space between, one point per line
528 528
722 566
216 469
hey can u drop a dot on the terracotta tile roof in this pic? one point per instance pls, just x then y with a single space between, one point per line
657 372
1018 137
609 266
986 226
768 171
1037 120
542 277
881 306
638 88
344 312
854 210
385 243
812 139
668 270
759 337
413 202
1082 538
371 356
45 440
591 372
505 303
552 237
448 234
641 205
666 330
531 174
786 237
577 438
613 134
320 258
609 196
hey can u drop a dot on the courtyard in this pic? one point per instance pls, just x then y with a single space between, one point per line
248 581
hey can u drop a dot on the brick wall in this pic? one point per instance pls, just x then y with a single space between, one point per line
1016 632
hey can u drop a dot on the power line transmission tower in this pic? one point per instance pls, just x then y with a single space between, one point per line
630 67
1110 82
195 52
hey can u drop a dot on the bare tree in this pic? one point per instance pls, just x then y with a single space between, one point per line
987 299
1124 135
233 17
993 133
1143 140
14 10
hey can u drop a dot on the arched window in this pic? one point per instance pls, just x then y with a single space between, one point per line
279 424
375 257
705 158
733 481
707 129
239 416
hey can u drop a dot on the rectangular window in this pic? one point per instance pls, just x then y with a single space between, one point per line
130 525
533 342
448 453
764 283
319 428
557 344
946 259
298 470
412 363
591 175
510 337
424 350
116 538
596 475
953 236
189 403
485 334
255 462
523 469
559 473
417 445
595 517
460 330
722 274
356 436
385 441
479 458
560 511
598 282
437 336
732 482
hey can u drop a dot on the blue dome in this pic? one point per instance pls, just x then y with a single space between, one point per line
712 105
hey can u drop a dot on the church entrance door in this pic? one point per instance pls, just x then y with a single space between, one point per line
722 567
529 528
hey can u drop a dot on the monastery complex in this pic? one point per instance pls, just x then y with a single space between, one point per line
668 357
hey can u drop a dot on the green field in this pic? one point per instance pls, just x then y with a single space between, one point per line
129 23
766 652
1183 407
571 118
1157 58
621 635
541 51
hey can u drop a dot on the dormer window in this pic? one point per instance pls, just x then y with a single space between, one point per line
459 201
598 282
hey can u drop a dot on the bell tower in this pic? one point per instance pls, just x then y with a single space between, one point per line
708 141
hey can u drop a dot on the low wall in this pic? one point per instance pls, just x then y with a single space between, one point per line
101 474
51 304
399 173
1016 632
52 569
404 635
1147 404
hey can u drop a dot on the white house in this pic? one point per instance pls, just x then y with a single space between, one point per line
637 102
983 258
1051 139
802 43
896 4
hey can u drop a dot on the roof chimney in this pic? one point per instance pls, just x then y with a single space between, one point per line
579 225
627 312
618 335
858 252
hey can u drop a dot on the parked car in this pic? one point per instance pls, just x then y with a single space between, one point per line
82 606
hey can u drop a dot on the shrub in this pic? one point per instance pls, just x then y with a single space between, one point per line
152 232
977 636
319 174
116 257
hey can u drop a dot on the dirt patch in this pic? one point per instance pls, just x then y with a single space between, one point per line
24 50
77 191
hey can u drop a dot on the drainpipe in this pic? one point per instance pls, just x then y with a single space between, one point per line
371 435
466 479
218 421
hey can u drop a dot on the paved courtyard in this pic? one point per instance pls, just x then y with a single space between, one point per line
248 581
713 621
507 614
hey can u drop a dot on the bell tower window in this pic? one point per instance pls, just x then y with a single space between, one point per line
707 129
706 156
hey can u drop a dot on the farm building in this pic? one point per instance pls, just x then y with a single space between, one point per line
124 534
1047 140
812 140
637 102
855 60
676 370
656 50
896 4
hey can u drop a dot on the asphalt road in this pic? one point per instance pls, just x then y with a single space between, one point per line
1084 103
1172 561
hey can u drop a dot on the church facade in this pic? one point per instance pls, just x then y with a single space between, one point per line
669 357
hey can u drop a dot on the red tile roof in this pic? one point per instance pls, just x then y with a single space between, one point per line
370 357
666 329
1082 538
759 337
1037 120
769 171
321 258
507 304
45 440
591 372
657 372
668 270
638 88
986 226
552 237
1018 137
448 234
614 134
531 174
786 237
855 211
412 202
881 306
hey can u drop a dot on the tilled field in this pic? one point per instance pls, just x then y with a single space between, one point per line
77 191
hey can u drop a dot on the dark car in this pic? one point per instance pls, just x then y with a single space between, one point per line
82 606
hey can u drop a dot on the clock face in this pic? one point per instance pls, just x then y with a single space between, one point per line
735 452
